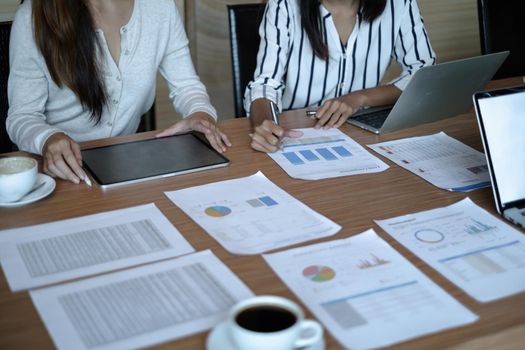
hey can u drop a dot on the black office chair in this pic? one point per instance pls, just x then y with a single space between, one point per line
5 30
148 121
244 23
501 28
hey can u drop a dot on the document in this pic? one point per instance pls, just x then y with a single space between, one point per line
44 254
479 253
365 293
142 306
251 215
439 159
322 154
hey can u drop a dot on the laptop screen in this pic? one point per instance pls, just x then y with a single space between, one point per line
502 114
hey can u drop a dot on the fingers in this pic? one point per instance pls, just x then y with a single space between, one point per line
76 163
225 139
260 144
267 137
76 151
61 159
293 133
333 113
215 140
206 125
332 106
214 136
322 110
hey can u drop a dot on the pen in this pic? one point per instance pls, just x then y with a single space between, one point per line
275 113
311 114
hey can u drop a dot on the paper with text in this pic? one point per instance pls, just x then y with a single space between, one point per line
365 293
439 159
481 254
251 215
142 306
322 154
44 254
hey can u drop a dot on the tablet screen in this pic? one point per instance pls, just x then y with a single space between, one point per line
153 158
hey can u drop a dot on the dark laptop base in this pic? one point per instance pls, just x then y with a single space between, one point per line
371 119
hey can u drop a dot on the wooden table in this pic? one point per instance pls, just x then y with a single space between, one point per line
353 202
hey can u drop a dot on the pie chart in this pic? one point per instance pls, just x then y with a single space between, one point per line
429 236
217 211
318 273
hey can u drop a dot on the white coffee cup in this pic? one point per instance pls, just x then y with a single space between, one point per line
271 322
17 177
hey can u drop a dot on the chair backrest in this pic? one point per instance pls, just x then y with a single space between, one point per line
148 121
501 28
5 30
244 23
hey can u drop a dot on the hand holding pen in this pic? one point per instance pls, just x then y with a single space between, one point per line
268 135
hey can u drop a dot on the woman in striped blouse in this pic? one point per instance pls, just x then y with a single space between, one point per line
331 54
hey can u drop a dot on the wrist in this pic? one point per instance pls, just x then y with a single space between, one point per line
259 112
202 116
356 99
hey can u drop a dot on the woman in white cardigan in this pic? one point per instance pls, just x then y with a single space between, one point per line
86 69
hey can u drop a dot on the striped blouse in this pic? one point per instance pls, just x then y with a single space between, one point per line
289 73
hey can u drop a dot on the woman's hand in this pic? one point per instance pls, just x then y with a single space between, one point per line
62 158
203 123
268 135
334 112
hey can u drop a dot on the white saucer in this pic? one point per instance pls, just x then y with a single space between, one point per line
44 191
219 339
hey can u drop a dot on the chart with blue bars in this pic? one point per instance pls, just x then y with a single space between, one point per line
320 154
327 148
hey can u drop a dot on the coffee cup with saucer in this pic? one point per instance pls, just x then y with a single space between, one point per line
20 182
266 322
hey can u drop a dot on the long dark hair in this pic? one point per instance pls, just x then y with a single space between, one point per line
65 35
311 21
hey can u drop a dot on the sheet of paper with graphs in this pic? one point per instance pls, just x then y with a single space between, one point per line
360 287
322 154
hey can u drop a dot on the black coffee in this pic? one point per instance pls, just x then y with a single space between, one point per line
265 319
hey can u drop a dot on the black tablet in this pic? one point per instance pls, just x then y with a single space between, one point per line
149 159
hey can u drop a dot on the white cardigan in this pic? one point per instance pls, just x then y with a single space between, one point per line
153 40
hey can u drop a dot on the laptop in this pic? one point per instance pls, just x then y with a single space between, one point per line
501 119
434 92
136 161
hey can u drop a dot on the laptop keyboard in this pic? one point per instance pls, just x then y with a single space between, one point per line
374 119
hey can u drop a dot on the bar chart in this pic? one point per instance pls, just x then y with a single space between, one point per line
323 154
